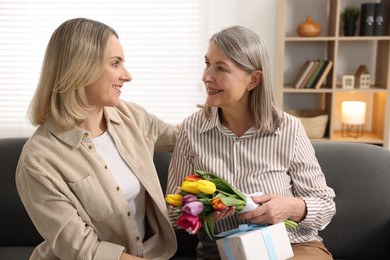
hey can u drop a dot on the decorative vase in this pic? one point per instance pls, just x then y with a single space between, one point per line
309 28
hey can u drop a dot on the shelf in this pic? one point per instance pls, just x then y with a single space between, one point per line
368 137
309 39
365 90
339 89
347 54
306 90
364 38
338 38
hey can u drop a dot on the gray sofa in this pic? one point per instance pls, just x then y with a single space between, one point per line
359 173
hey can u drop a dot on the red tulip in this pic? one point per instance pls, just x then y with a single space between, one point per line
190 223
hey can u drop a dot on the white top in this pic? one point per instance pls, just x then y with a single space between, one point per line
123 175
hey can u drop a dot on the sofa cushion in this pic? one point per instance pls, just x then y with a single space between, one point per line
17 228
360 175
15 252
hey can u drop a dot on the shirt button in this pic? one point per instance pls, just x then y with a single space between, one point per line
137 238
85 134
238 167
90 146
237 142
105 166
117 188
128 214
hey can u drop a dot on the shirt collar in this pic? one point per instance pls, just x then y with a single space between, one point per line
214 122
73 137
211 122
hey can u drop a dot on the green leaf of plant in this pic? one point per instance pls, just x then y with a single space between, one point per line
205 201
210 224
220 195
229 201
239 208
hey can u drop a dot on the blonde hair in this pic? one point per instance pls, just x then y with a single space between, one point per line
249 51
73 60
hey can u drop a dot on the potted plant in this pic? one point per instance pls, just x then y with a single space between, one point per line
349 17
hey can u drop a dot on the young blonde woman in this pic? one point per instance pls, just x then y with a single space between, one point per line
241 136
86 176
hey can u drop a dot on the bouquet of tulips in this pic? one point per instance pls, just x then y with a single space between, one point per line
203 193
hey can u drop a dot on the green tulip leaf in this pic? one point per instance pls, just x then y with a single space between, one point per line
228 201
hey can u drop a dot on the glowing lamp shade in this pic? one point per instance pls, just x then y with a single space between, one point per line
353 112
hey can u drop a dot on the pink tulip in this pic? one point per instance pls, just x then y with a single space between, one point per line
194 208
190 223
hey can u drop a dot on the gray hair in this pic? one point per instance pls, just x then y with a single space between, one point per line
249 51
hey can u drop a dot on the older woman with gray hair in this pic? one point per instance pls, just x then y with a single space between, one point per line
242 136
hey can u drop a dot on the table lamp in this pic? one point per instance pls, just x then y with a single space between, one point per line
353 117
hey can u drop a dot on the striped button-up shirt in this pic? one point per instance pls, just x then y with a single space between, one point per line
281 163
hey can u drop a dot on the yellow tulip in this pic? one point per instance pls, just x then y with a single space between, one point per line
175 200
207 187
190 186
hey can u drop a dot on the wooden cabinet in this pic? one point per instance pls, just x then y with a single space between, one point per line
347 54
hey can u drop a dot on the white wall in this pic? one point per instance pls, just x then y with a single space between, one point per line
258 15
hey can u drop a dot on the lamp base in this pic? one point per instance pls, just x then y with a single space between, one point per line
355 131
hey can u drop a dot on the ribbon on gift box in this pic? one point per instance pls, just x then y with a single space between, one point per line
246 228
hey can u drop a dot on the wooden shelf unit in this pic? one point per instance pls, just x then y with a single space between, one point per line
347 53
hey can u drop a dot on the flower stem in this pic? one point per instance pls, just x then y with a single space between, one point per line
290 223
224 192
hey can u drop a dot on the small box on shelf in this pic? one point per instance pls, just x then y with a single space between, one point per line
362 78
348 82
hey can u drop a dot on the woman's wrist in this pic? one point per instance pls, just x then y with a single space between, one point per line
298 210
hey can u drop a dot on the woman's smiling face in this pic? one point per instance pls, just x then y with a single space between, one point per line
227 85
105 91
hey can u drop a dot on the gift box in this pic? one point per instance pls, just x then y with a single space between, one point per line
254 242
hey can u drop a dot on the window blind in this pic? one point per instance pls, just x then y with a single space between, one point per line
163 41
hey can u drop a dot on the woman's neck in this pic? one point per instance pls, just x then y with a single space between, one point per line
95 123
238 121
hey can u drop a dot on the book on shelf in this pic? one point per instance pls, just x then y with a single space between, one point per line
323 64
378 19
299 77
302 74
324 74
367 19
314 74
310 74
